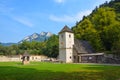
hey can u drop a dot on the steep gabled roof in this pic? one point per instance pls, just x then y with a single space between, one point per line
82 46
66 29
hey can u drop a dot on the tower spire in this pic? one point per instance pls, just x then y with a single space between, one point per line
66 29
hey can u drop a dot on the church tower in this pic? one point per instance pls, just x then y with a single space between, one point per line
66 42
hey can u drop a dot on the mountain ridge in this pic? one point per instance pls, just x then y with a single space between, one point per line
40 37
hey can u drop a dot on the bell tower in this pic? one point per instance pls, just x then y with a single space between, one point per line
66 42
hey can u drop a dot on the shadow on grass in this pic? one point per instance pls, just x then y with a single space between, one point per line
108 72
17 73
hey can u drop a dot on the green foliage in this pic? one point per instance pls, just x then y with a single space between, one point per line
86 31
2 50
52 46
48 48
103 17
116 48
102 27
111 36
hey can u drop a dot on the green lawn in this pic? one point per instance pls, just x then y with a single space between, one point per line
56 71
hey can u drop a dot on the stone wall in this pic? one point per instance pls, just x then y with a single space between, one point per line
110 58
18 58
10 58
37 58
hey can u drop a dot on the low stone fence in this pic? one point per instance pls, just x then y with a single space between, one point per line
18 58
110 58
10 58
37 57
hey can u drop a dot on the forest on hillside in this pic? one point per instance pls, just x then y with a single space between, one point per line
101 29
49 48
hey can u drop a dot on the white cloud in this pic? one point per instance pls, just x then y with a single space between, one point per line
64 18
24 21
6 10
68 18
59 1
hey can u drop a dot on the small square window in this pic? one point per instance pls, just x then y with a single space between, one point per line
69 36
61 36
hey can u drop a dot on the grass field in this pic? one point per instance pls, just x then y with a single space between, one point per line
56 71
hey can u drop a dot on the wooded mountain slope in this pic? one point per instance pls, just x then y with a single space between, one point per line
102 27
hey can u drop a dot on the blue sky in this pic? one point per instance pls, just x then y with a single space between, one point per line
20 18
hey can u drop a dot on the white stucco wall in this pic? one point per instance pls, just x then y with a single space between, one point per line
62 40
69 55
69 40
62 55
66 42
